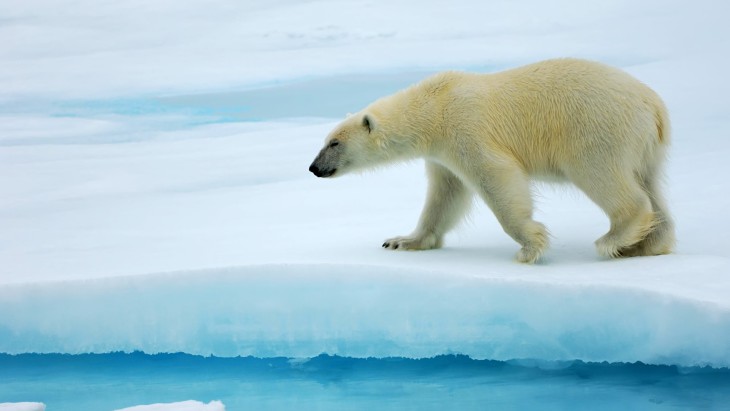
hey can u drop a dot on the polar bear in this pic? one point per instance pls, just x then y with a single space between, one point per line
490 134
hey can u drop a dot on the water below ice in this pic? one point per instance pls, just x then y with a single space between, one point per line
97 382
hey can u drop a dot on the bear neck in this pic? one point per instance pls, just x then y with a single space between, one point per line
412 124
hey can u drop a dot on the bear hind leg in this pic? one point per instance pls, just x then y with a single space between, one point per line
627 232
660 240
629 208
447 202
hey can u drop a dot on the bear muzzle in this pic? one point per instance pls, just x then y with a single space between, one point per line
328 161
321 172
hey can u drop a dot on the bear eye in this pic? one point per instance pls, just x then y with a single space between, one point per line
334 143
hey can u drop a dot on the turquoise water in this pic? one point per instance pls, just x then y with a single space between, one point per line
111 381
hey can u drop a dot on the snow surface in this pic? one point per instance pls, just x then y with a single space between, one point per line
179 406
155 193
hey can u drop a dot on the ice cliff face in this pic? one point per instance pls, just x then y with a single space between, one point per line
302 311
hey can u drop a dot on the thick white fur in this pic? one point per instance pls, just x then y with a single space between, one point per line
565 119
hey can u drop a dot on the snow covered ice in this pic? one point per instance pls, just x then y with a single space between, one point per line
155 198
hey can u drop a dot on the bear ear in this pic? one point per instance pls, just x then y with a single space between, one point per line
367 122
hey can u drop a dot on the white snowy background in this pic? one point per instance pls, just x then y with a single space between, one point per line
154 192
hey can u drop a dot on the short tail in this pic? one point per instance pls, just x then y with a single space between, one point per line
662 122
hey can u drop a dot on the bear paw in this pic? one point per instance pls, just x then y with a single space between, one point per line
528 255
607 247
424 242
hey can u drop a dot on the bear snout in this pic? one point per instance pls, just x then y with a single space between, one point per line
319 172
315 170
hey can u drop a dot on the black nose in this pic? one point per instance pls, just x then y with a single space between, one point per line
315 170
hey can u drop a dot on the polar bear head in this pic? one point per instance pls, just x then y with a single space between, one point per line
386 131
403 126
357 142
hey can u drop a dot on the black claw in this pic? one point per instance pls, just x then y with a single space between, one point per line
386 245
395 247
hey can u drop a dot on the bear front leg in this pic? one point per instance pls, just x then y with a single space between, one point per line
506 190
447 201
